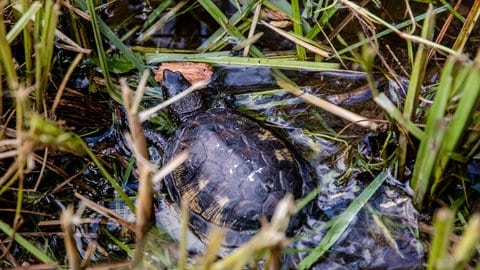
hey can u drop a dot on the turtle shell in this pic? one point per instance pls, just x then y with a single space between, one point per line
236 173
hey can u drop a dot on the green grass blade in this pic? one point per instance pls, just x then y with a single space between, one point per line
214 42
44 50
467 27
453 11
461 117
25 243
467 246
341 223
218 15
147 33
6 56
100 50
156 13
419 66
434 131
443 223
415 85
297 29
221 19
243 61
383 101
23 21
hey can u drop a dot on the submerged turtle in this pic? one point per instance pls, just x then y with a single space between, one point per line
237 170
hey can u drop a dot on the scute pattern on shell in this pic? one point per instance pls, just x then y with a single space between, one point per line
236 173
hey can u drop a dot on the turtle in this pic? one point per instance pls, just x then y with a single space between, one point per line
237 170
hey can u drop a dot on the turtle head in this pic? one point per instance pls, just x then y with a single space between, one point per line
173 84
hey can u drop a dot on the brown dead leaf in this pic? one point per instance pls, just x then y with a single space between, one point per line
193 72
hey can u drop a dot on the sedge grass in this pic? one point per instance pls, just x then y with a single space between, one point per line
442 135
297 29
467 27
415 84
46 23
445 256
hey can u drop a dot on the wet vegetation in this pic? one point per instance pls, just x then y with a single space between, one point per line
380 97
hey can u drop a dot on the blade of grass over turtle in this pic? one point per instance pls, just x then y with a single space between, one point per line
307 199
248 61
443 223
170 166
40 255
467 27
150 112
297 29
341 223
